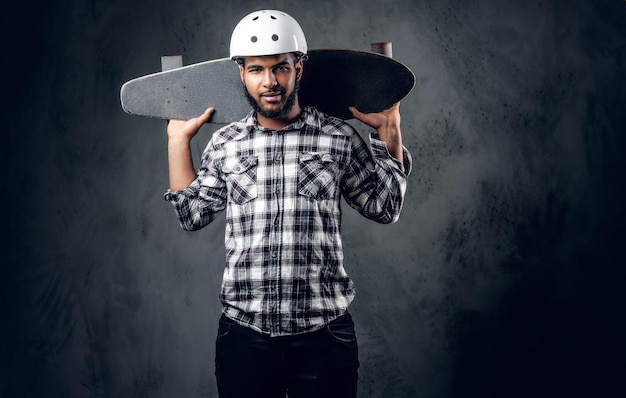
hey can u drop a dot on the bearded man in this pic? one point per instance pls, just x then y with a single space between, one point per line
280 174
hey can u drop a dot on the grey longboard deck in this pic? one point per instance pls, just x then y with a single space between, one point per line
333 80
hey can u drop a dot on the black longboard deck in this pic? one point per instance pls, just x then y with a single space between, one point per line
333 80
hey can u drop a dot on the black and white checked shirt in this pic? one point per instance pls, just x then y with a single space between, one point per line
284 271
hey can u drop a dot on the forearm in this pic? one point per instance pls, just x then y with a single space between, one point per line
180 133
387 124
181 169
392 136
374 183
196 198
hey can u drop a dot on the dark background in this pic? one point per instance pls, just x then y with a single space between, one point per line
503 278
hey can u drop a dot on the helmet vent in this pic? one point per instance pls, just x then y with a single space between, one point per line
274 37
254 39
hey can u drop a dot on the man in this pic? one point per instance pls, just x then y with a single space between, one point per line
280 174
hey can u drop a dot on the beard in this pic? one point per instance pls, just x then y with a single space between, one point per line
278 113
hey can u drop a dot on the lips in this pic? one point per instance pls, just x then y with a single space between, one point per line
272 96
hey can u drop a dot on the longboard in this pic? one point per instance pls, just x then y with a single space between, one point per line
333 80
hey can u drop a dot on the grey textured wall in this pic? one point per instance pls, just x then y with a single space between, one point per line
503 278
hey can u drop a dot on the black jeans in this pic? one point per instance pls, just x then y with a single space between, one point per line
320 364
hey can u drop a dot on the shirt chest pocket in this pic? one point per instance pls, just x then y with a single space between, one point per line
317 175
241 176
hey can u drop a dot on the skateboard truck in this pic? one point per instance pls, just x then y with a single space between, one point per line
382 47
169 62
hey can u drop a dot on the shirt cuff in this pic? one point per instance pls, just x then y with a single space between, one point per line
380 152
173 196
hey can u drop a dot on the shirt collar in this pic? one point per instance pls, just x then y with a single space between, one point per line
307 118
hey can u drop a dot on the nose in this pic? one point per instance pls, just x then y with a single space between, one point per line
269 78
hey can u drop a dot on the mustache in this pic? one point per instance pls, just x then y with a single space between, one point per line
273 92
289 101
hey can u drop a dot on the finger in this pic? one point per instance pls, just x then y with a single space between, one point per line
355 112
206 115
358 114
393 108
371 119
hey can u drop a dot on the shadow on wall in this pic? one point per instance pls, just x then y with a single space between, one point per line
557 331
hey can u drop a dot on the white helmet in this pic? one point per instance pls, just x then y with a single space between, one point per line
267 32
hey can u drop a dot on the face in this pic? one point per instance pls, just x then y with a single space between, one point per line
271 84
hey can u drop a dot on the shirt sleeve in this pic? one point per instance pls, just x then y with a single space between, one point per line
197 205
375 182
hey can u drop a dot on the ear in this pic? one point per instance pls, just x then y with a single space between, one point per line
241 73
299 69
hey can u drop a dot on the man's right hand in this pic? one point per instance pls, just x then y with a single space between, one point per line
180 133
186 129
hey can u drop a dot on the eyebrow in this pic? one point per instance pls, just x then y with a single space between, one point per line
282 63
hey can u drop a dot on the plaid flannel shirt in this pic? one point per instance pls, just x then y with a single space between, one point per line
284 271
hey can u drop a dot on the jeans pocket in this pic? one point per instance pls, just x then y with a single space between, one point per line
342 329
224 326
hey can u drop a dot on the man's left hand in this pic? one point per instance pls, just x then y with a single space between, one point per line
387 123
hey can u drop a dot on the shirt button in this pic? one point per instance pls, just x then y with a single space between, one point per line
274 254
